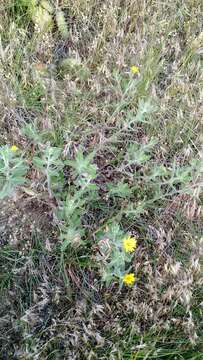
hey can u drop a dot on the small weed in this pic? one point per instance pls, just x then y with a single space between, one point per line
101 180
13 170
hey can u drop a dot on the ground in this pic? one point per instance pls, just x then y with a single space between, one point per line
101 143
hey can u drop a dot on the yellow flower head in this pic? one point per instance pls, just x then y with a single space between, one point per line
13 148
134 69
129 244
129 279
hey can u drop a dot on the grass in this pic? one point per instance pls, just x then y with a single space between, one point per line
102 154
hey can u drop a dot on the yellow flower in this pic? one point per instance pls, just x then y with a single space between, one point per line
129 244
134 69
13 148
129 279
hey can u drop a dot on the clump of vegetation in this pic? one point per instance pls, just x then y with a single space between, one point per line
101 180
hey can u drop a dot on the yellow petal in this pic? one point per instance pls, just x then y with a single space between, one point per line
129 244
134 69
13 148
129 279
